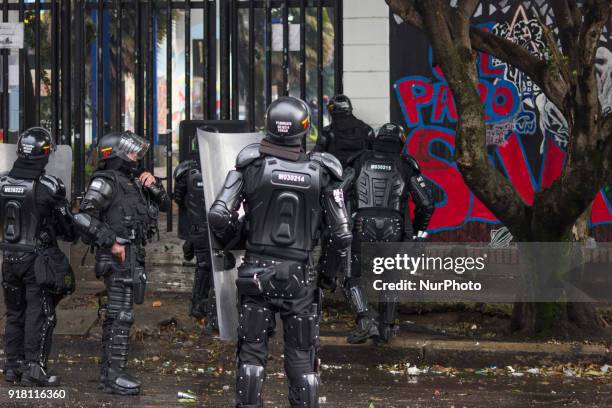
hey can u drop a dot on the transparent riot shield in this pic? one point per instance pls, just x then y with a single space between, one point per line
60 166
218 153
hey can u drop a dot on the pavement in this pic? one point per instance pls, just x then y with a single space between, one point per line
433 362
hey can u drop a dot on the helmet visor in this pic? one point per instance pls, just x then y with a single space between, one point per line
132 147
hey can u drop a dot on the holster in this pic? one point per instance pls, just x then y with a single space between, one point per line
275 279
13 294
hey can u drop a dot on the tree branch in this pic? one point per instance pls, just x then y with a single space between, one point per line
541 73
567 25
407 11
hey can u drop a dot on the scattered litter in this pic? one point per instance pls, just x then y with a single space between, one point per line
473 327
604 368
533 371
322 400
186 397
568 372
157 303
226 388
413 370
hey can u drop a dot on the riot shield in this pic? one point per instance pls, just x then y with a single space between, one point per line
188 147
60 165
218 153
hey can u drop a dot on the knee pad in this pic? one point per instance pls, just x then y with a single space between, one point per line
249 383
105 265
303 331
309 390
126 317
255 323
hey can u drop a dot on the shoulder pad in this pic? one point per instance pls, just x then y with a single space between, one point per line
183 168
105 174
102 186
54 184
328 161
413 163
248 155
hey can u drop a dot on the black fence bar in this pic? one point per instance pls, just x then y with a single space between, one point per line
206 56
22 76
338 48
66 73
251 66
5 80
150 52
55 68
286 48
320 66
224 43
281 3
100 70
169 178
37 62
235 58
79 83
140 85
268 48
303 50
187 60
119 64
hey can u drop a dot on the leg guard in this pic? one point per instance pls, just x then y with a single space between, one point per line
255 323
212 323
249 384
366 317
14 298
201 284
116 332
46 335
355 295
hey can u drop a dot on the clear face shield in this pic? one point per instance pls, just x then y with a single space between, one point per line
132 147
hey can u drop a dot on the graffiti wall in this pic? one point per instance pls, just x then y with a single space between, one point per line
527 136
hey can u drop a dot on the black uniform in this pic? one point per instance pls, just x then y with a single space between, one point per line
346 137
34 213
288 199
188 194
385 182
117 209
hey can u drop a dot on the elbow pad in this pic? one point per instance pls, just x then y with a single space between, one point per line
93 231
423 201
223 214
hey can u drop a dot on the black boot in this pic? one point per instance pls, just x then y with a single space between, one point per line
366 329
13 370
113 377
36 375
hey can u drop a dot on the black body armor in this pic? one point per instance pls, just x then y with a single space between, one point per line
345 138
380 183
283 205
18 214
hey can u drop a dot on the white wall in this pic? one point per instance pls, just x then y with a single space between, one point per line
366 59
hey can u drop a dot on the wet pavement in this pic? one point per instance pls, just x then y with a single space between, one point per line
169 355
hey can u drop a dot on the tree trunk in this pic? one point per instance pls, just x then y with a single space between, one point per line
543 267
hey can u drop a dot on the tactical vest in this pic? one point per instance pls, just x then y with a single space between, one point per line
282 204
380 183
19 216
130 212
194 199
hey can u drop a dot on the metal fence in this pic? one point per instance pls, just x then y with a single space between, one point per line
90 67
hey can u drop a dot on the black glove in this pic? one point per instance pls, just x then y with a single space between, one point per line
229 260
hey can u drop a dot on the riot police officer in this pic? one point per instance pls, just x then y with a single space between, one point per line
119 216
288 199
385 181
34 212
346 137
189 195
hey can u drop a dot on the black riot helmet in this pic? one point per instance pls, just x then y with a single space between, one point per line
389 137
287 121
340 105
124 145
35 143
